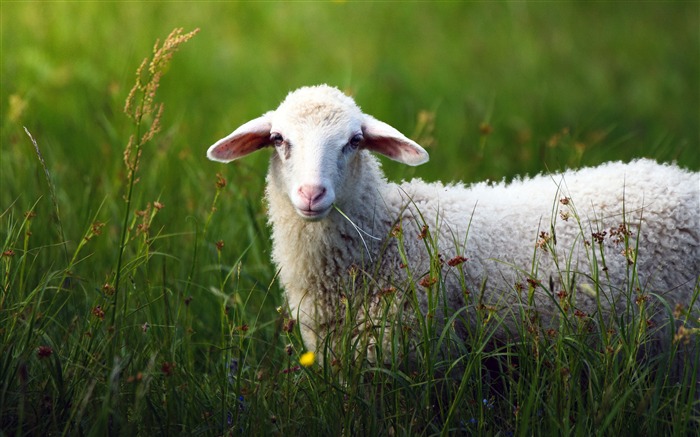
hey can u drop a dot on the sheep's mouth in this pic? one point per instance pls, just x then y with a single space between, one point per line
313 215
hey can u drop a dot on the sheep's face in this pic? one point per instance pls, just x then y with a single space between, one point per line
316 133
315 143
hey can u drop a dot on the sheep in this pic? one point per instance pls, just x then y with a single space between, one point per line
534 243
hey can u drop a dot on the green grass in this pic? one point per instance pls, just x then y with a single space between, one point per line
192 339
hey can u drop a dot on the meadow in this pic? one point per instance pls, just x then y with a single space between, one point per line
137 292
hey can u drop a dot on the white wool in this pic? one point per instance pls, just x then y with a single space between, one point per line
324 261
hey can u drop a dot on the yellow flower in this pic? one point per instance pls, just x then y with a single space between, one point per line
307 359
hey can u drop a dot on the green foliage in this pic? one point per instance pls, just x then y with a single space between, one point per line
192 337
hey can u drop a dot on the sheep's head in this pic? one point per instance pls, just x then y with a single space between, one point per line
316 133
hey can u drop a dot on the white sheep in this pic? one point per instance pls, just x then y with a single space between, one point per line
343 235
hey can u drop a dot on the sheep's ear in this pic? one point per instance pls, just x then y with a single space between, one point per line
381 138
246 139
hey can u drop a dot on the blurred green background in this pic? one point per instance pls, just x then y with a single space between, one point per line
492 89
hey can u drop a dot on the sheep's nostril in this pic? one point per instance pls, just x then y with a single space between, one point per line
312 193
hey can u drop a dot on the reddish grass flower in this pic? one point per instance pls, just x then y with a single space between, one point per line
291 369
485 129
427 281
220 181
44 351
167 368
640 299
108 289
98 312
598 237
534 283
459 259
423 232
288 325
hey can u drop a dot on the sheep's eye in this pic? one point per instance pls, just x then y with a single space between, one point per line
355 141
276 139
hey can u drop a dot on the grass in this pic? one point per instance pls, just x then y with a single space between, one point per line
143 301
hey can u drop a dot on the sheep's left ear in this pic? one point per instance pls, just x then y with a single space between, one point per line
248 138
381 138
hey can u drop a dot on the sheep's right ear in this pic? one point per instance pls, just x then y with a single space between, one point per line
246 139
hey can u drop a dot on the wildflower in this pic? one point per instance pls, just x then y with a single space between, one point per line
167 368
565 200
307 359
145 327
598 237
565 215
640 299
157 205
44 351
137 378
108 289
534 283
630 254
288 325
96 228
291 369
427 281
456 261
188 300
683 335
485 129
220 245
543 240
423 232
220 181
619 234
98 312
488 403
8 253
387 291
232 370
396 231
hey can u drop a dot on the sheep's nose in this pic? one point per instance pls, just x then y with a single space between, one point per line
312 193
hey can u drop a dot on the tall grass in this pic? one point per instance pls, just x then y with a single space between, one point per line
193 336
